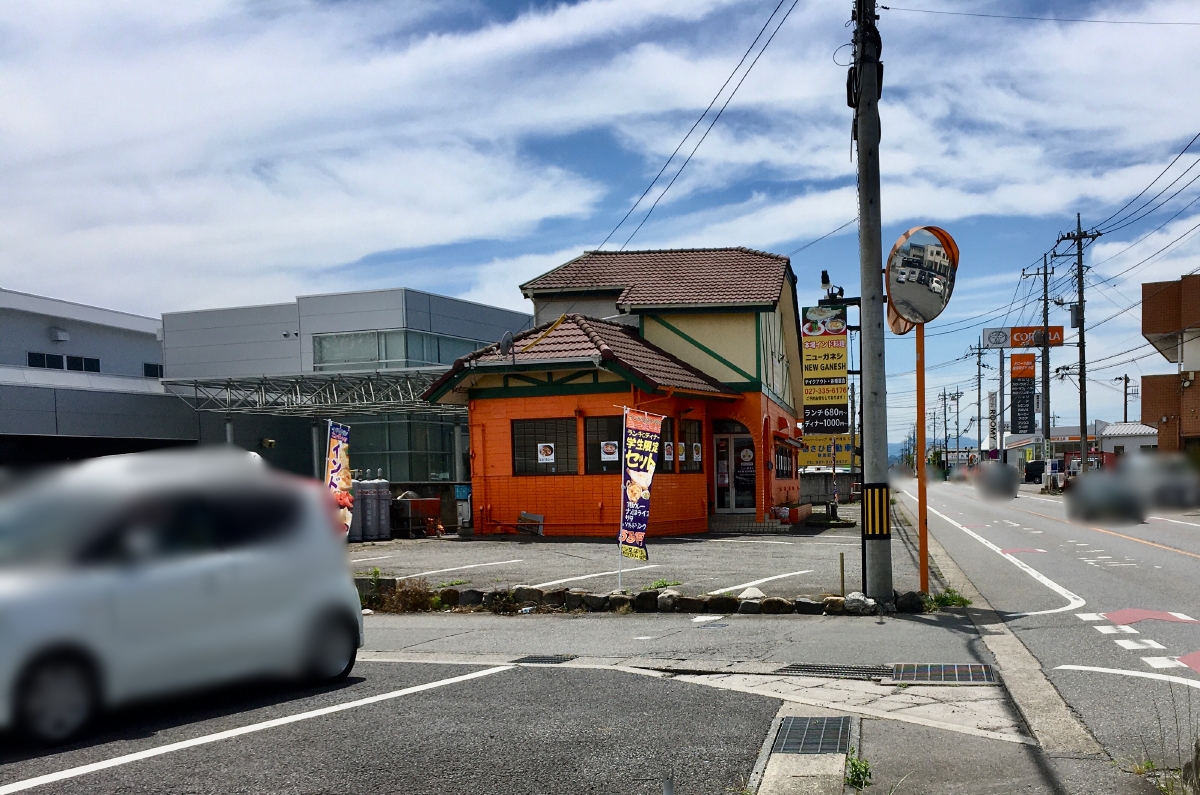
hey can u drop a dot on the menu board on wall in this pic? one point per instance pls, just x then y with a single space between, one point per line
823 354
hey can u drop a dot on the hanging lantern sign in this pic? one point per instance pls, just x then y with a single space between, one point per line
920 275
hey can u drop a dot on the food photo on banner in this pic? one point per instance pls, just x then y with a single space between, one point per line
337 472
640 442
823 356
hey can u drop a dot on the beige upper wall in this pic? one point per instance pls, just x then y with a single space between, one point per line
788 312
730 336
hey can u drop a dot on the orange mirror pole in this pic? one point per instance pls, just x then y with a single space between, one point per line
919 460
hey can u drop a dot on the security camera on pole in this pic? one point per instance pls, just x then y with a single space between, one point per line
920 276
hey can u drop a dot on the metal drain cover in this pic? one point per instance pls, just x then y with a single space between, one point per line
956 674
546 659
812 736
865 672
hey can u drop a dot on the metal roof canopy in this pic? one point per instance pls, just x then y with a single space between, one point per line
316 395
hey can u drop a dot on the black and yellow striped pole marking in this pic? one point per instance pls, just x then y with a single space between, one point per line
876 516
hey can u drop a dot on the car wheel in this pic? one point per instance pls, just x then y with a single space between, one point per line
333 651
56 699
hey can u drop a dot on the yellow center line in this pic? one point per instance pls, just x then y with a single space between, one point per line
1112 533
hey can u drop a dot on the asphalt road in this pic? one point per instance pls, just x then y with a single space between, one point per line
509 730
1060 585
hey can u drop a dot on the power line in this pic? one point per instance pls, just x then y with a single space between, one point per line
822 237
714 121
1156 179
1139 215
1036 19
682 141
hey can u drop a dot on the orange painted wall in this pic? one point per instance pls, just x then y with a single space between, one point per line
764 418
574 505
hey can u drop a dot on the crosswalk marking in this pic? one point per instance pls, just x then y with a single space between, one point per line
1130 643
1119 628
1163 662
1089 616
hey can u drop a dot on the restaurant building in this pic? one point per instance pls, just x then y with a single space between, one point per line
709 338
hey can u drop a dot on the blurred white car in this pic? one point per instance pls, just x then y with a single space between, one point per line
136 576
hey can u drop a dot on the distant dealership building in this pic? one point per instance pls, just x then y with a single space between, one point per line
1171 323
709 338
78 381
272 373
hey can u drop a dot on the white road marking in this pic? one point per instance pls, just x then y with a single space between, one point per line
645 637
749 541
1110 565
1089 616
1176 521
702 619
1179 680
1075 601
149 753
591 576
364 560
1014 524
460 568
1119 628
1131 644
1183 616
759 582
1163 662
1036 532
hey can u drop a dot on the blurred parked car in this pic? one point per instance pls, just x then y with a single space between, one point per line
997 481
135 576
1103 495
1162 480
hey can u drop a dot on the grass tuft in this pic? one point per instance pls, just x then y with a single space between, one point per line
660 584
947 598
858 771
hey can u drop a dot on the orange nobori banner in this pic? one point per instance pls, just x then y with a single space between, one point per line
1024 365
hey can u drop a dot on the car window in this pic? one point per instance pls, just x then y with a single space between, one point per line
254 517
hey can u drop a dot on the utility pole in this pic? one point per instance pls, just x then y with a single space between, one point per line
1003 448
1124 379
945 430
957 424
979 401
1077 321
1046 272
865 90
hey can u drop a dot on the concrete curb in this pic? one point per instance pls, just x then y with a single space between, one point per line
1045 712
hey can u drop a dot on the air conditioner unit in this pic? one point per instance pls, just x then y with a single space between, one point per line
59 335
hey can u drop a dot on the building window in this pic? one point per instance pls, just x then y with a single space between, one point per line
152 370
410 448
57 361
386 350
783 463
690 451
1118 449
544 447
602 452
661 462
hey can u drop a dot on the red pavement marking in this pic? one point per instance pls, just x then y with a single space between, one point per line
1020 549
1192 661
1132 615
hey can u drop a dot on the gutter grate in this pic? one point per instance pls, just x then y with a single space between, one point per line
812 736
956 674
865 672
546 659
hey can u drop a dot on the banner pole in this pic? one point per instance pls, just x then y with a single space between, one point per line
922 515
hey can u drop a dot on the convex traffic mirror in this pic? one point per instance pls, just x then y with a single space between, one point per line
920 273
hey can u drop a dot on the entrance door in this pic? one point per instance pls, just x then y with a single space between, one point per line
737 476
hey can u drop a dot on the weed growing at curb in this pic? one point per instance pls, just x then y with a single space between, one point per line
947 598
453 583
858 771
658 585
624 609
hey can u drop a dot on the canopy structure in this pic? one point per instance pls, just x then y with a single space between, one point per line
316 394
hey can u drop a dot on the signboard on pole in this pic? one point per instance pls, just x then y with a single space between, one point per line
337 471
639 446
1023 371
824 450
992 420
823 354
1021 337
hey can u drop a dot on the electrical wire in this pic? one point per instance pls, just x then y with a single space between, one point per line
713 122
1037 19
822 237
682 141
1156 179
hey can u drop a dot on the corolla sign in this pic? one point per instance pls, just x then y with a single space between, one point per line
920 273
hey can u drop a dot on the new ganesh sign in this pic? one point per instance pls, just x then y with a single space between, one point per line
640 447
823 356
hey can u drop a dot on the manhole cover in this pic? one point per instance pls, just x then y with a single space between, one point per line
865 672
956 674
546 659
812 736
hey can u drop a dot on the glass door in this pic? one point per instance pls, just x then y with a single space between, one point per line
736 473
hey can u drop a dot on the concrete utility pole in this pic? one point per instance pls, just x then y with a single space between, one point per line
1000 398
864 90
979 401
1124 379
957 423
945 429
1077 321
1046 272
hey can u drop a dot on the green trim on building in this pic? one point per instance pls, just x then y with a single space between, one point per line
628 375
546 390
758 346
744 386
702 347
521 377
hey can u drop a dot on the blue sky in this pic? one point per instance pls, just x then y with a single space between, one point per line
160 157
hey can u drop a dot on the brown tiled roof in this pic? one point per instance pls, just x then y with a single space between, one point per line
580 338
671 277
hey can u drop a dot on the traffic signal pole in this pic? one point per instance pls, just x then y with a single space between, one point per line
863 95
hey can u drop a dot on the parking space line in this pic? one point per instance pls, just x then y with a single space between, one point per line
149 753
590 576
749 541
455 568
759 582
364 560
1176 521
